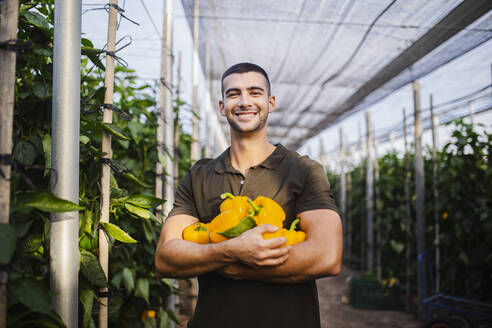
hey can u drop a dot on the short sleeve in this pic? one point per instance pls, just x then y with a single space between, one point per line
184 201
316 193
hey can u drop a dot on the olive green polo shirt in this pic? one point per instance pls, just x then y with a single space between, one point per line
298 184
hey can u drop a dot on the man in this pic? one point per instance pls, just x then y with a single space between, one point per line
248 281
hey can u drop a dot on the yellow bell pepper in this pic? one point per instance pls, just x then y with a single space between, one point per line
197 233
267 211
233 209
240 203
293 237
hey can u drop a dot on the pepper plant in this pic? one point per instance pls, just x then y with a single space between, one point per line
464 206
137 298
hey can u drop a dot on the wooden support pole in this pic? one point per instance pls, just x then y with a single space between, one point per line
369 195
377 212
195 142
419 178
362 204
348 215
168 110
471 111
105 169
343 195
206 112
159 176
176 123
8 31
435 175
408 252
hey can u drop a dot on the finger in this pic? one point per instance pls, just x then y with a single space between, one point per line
275 242
274 261
276 252
267 228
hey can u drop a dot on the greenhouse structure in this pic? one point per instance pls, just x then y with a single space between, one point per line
109 108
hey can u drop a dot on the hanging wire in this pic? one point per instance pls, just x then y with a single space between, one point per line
150 18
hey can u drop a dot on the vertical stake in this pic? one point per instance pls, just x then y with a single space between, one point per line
176 123
8 31
343 194
435 175
369 195
195 142
419 181
408 247
105 169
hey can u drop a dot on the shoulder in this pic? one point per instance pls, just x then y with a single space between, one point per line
302 162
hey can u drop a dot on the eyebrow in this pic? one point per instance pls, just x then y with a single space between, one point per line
249 89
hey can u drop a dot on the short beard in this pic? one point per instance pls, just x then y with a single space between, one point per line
237 128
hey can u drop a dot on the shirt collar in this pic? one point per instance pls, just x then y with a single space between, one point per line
271 162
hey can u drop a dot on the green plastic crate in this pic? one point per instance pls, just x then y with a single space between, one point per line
370 294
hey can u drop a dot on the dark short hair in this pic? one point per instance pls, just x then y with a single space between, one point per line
244 68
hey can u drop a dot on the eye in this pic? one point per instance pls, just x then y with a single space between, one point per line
232 94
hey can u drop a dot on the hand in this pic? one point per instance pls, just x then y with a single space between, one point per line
251 249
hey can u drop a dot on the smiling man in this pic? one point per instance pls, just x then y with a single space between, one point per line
248 281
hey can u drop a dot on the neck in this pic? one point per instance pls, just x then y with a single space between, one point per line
249 150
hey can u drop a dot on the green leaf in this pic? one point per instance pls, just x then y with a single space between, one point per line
129 176
24 153
46 201
173 316
47 153
8 238
244 225
148 230
43 52
35 19
397 247
114 130
142 289
145 201
92 270
163 319
32 294
138 211
40 90
464 258
87 300
90 50
128 279
117 233
87 43
113 183
84 139
150 323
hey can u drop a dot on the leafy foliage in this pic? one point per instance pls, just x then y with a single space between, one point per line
464 206
132 284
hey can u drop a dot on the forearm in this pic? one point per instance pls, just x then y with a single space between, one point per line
181 259
320 255
305 263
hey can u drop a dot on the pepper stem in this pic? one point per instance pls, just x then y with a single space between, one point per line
293 225
227 195
255 207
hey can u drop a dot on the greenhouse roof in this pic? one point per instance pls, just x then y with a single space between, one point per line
329 59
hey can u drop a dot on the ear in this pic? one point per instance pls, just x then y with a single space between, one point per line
221 108
271 103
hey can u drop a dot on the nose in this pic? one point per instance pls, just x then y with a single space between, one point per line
244 101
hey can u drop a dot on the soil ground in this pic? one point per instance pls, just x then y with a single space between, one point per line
336 314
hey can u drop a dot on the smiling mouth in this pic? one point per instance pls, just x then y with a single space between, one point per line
245 114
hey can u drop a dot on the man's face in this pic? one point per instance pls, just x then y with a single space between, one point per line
246 102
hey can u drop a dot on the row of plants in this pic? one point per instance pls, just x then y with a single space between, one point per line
137 298
464 206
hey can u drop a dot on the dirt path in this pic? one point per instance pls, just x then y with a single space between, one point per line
336 314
